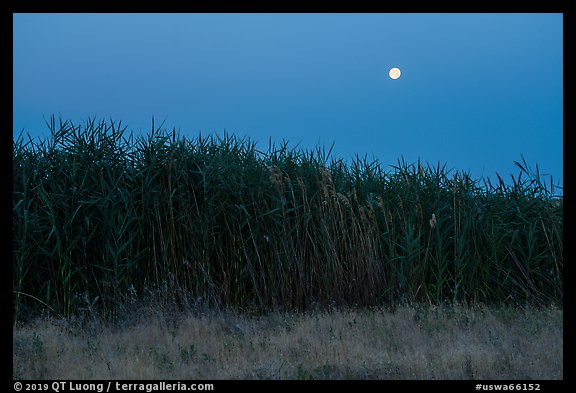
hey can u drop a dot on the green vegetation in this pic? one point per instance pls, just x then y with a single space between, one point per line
101 219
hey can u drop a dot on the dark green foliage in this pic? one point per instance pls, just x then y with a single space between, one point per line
102 216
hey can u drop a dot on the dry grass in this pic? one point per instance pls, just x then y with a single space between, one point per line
410 343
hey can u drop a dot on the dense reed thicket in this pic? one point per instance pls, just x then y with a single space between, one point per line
102 216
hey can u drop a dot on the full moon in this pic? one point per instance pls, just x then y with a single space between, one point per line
394 73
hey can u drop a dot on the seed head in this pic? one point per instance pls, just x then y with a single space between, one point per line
433 221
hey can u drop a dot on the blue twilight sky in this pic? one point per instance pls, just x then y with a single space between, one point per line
477 91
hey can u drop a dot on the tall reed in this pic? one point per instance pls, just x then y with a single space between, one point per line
102 215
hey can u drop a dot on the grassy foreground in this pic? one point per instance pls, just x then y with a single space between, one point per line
408 343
